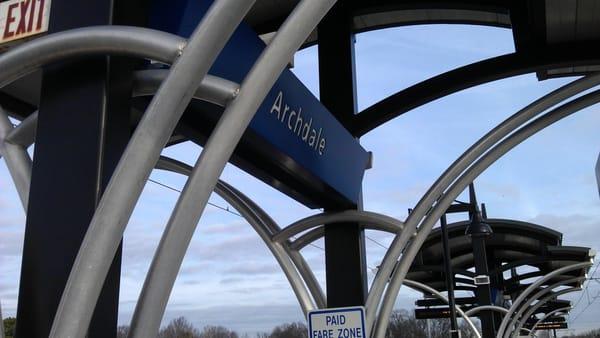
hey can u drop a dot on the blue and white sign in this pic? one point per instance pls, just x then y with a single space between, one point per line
303 135
347 322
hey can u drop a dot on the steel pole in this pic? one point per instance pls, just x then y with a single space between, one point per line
454 332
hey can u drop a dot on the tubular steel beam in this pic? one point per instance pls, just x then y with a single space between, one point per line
462 182
454 170
531 288
423 287
526 311
17 159
519 323
108 224
565 309
264 226
475 310
379 221
466 77
220 146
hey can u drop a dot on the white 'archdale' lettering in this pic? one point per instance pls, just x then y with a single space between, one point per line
299 125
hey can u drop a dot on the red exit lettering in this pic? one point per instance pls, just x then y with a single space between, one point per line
24 18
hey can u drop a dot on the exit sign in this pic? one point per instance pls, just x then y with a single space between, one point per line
20 19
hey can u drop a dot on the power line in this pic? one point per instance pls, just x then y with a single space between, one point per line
226 208
586 292
376 242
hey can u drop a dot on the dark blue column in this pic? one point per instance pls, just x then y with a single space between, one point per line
83 128
344 243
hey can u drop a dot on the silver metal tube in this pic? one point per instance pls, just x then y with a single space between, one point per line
309 277
117 40
24 134
531 288
212 89
562 309
480 308
216 153
17 160
146 82
376 220
454 170
295 276
312 235
459 185
423 287
518 324
110 219
525 307
264 226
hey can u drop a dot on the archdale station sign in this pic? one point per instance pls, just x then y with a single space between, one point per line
294 143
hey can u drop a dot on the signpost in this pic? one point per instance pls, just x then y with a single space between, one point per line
346 322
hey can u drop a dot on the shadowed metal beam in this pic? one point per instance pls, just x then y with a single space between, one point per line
466 77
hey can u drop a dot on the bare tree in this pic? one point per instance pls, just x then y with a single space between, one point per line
179 328
290 330
217 332
122 331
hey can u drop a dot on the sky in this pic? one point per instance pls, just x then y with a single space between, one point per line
229 277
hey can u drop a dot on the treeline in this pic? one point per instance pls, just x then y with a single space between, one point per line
403 324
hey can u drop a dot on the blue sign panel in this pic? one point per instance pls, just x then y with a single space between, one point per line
291 118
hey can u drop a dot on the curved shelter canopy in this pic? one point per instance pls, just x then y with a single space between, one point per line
518 254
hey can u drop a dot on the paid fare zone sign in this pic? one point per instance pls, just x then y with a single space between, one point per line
20 19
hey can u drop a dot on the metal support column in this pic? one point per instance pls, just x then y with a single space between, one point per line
454 332
344 243
479 231
484 294
83 128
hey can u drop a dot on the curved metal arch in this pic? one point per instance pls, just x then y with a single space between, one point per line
17 160
261 223
319 231
224 138
468 76
372 219
478 309
143 150
422 287
460 184
547 315
519 323
526 310
532 288
454 170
